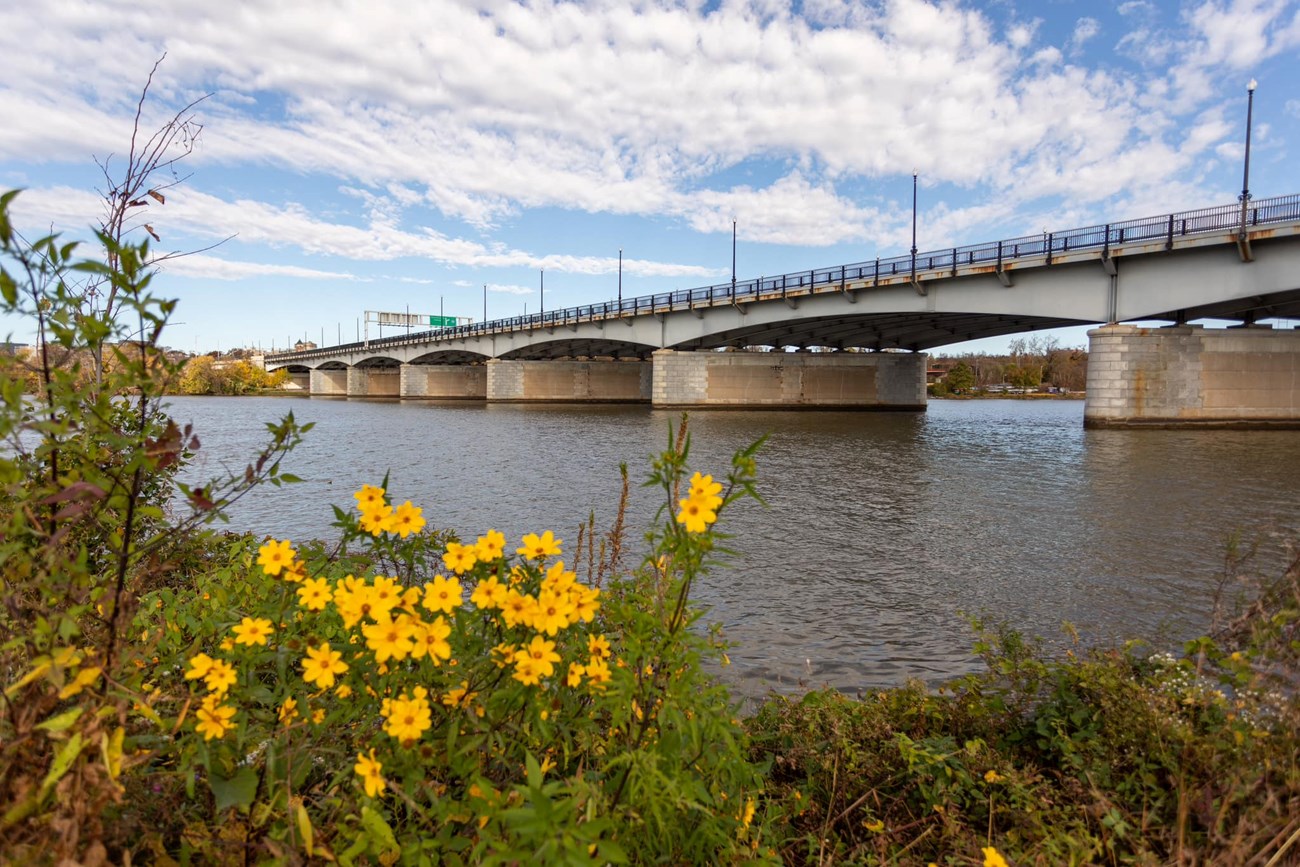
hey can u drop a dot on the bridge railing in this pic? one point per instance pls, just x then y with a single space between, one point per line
1046 245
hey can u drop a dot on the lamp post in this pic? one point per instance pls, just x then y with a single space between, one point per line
541 284
620 279
733 257
914 226
1245 174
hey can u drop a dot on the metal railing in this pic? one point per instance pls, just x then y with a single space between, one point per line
1166 227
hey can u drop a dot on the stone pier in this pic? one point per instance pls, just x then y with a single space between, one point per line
568 381
329 382
444 381
1192 376
790 380
374 382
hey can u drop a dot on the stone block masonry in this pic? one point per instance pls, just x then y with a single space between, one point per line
793 380
444 381
1192 376
568 381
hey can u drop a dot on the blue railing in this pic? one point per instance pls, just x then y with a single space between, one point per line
1167 227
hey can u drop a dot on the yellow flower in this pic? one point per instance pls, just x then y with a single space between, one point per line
518 608
315 594
459 696
541 652
430 639
368 768
992 777
274 556
443 594
389 639
695 514
558 578
705 489
353 599
584 601
385 595
539 547
368 497
992 858
503 653
574 676
252 630
220 676
459 558
295 572
489 593
408 716
597 673
528 671
200 665
598 646
490 546
321 664
214 719
376 520
407 519
747 817
289 710
343 690
553 612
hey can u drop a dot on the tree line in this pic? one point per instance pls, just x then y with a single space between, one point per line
1032 362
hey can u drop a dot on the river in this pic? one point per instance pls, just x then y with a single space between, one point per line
880 529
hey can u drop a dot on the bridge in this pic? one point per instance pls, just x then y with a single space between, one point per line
854 335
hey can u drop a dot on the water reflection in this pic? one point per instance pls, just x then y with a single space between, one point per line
880 527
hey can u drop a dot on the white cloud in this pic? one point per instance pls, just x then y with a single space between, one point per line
1084 30
215 268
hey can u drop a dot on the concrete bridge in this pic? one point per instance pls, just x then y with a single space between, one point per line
854 336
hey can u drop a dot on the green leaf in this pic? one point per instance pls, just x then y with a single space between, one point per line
381 836
237 791
62 761
61 722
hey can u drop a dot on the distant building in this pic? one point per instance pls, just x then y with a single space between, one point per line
303 346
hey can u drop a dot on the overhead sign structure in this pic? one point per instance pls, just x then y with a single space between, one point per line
411 321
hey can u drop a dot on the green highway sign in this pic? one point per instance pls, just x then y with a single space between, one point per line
442 321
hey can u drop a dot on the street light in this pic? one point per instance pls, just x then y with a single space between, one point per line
1245 175
913 226
733 257
620 278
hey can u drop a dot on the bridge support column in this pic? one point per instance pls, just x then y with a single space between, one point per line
801 380
374 382
568 381
1192 376
444 381
330 382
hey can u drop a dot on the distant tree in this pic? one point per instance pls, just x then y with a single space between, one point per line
961 378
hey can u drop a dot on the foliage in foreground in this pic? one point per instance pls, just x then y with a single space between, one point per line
1118 757
169 695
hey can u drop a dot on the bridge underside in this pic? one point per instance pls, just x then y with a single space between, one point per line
1277 305
917 332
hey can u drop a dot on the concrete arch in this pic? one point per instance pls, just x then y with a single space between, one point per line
588 346
449 356
377 361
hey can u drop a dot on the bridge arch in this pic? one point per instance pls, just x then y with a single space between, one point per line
442 355
585 347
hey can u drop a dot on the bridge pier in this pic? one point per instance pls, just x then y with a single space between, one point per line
374 382
444 381
1192 376
799 380
328 382
514 380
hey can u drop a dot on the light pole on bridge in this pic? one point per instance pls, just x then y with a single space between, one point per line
1245 174
733 257
913 227
620 279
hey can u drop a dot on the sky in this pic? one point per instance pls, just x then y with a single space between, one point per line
443 157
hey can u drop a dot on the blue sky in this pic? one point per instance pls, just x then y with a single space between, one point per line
381 155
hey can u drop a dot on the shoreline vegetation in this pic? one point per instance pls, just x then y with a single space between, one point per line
171 694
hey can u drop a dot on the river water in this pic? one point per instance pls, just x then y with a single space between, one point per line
880 528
